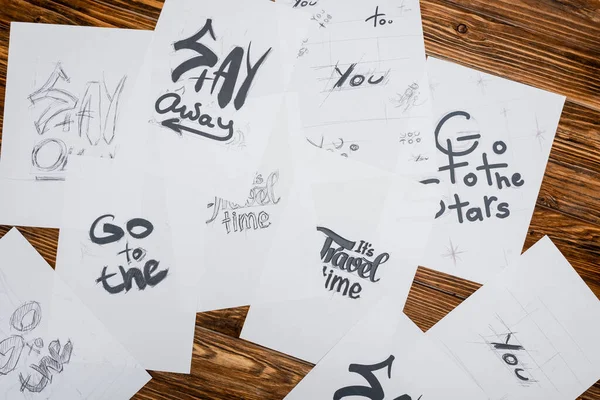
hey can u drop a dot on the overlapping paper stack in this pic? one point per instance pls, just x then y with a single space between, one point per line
303 158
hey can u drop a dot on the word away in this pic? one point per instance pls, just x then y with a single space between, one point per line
262 194
374 391
340 259
490 170
227 74
24 320
70 124
138 228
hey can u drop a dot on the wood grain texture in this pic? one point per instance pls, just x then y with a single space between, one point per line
551 44
524 54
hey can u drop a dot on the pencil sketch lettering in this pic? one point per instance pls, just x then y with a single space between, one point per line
509 353
72 124
55 361
466 142
102 233
322 18
24 320
410 138
262 194
303 48
375 390
227 74
344 259
336 146
408 100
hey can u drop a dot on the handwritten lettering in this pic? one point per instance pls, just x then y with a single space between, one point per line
322 18
304 3
262 194
93 116
377 21
24 320
374 391
510 356
340 258
492 176
169 103
224 82
137 228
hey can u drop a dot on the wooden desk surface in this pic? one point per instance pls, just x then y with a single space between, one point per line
554 45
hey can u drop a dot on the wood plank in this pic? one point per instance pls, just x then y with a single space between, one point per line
115 13
229 368
577 139
228 321
572 180
578 240
44 240
493 46
554 47
574 24
571 190
445 283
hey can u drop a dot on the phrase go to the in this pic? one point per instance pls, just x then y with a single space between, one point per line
490 172
137 228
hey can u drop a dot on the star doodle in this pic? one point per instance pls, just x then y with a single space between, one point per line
453 253
433 87
539 133
402 7
482 83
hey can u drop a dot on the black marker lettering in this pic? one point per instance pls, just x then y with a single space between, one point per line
114 232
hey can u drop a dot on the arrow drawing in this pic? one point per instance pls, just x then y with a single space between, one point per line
173 124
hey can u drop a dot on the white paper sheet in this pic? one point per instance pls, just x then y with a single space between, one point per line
500 134
227 241
386 356
52 346
361 84
65 90
531 333
115 251
209 89
339 248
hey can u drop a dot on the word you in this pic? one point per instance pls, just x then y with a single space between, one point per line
492 176
374 391
72 124
378 18
103 233
322 18
349 79
342 259
335 147
24 320
262 194
304 3
227 75
507 353
410 137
